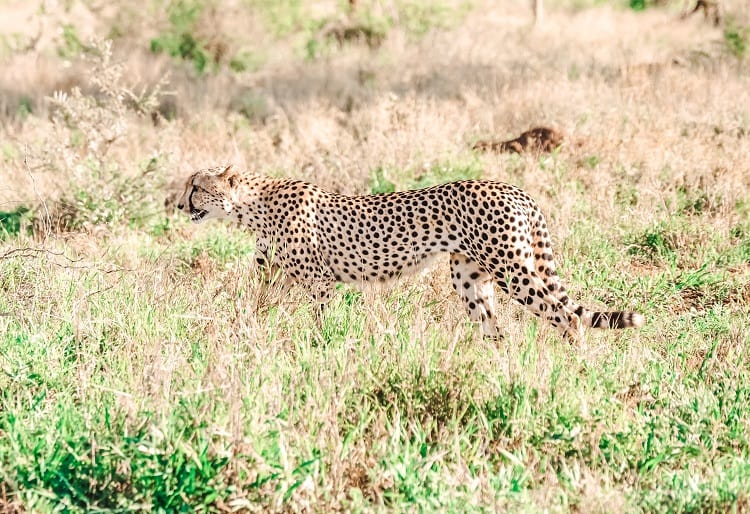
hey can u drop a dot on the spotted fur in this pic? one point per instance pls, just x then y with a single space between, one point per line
494 232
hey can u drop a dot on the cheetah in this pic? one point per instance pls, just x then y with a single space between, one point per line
494 232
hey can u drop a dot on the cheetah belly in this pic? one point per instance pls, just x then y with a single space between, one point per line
384 270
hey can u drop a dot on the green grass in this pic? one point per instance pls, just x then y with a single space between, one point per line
159 373
385 180
162 388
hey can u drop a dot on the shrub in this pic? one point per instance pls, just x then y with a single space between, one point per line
84 127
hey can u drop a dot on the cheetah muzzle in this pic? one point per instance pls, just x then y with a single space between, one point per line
495 233
196 215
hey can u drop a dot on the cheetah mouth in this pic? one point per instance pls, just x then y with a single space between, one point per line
197 215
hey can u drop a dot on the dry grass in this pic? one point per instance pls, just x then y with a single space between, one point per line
142 362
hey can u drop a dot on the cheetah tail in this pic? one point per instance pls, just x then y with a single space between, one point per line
615 319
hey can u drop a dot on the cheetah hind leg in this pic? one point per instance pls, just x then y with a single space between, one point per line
476 289
527 288
590 319
545 267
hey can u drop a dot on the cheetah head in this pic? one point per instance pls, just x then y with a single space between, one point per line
209 193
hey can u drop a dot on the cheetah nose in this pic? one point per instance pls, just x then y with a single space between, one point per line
180 206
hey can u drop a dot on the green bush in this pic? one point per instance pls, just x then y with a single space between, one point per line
179 40
12 221
71 44
736 38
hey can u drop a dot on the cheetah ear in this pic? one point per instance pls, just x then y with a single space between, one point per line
230 175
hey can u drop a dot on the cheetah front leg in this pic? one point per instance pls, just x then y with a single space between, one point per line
265 262
476 289
321 291
269 269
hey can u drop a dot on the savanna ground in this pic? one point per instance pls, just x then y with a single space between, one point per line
143 368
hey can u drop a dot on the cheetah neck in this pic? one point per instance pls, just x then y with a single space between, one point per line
247 206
